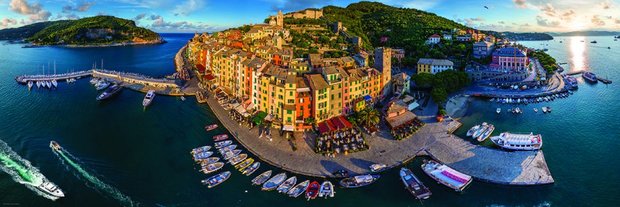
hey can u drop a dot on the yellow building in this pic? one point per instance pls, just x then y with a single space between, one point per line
320 99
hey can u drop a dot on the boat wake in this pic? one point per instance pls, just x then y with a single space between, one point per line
21 170
72 164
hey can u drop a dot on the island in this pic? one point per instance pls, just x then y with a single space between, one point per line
98 31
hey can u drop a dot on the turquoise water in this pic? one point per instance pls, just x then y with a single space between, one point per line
145 153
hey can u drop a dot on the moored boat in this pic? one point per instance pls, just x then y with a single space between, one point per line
260 179
414 185
378 167
227 148
209 168
209 160
210 127
216 179
54 83
111 91
287 185
222 144
202 155
230 154
486 133
446 175
200 149
482 128
313 190
298 189
512 141
274 182
590 77
148 98
246 163
327 190
102 85
29 85
341 173
472 130
249 170
237 159
358 181
220 137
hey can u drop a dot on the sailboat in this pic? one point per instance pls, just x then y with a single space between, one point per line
38 84
29 85
55 83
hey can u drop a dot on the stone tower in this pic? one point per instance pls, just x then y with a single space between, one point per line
383 63
280 19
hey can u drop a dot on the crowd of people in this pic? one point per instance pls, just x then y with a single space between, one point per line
407 129
340 142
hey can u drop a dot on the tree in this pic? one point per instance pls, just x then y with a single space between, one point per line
369 117
439 95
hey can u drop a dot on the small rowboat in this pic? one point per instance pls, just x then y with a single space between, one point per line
209 160
313 190
202 155
230 154
220 137
246 163
211 127
237 159
358 181
327 189
298 189
200 149
260 179
222 144
227 148
287 185
212 167
378 167
216 179
274 182
248 171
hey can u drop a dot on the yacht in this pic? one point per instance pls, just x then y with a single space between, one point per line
414 185
111 91
589 76
512 141
473 130
55 83
486 133
479 132
102 85
446 175
38 84
148 98
48 187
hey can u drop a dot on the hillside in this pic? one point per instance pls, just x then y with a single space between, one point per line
91 31
24 32
524 36
403 27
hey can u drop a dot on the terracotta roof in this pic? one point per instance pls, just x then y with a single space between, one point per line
317 82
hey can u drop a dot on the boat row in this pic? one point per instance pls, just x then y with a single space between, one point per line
481 132
531 100
289 186
45 84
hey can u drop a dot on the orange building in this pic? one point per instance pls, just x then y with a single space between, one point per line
303 104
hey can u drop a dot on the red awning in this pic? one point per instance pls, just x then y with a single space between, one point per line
337 123
209 77
346 122
200 67
330 124
323 128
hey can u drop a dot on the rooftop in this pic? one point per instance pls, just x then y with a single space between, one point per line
429 61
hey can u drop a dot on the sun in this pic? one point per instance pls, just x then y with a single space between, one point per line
576 25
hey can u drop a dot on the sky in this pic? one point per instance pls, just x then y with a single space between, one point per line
215 15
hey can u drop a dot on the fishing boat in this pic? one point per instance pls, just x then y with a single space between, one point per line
212 167
593 42
498 110
111 91
378 167
287 185
200 149
237 159
29 85
359 181
216 179
209 160
313 190
472 130
327 190
230 154
222 144
210 127
220 137
298 189
227 148
246 163
102 84
512 141
274 182
249 170
148 99
414 185
481 130
590 77
260 179
446 175
486 133
202 156
54 83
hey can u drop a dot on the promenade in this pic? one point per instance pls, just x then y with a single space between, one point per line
483 163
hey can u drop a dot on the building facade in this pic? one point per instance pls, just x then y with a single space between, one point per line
433 66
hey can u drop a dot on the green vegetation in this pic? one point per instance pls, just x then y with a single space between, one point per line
545 60
27 31
442 83
525 36
367 117
85 31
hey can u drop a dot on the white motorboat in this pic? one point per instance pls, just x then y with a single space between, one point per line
486 133
446 175
535 110
148 99
102 84
481 130
472 130
498 110
512 141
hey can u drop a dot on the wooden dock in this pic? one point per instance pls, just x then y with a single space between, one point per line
603 80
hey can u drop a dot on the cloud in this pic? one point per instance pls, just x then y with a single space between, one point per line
548 9
596 20
568 15
34 11
139 17
520 3
541 21
617 21
160 24
6 22
82 7
502 22
155 17
606 4
188 7
471 21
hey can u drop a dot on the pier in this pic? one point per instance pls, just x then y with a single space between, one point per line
602 80
24 79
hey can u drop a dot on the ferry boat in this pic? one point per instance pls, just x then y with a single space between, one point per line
378 167
479 132
414 185
486 133
313 190
287 185
150 95
512 141
590 77
210 127
249 170
472 130
111 91
260 179
212 167
274 182
358 181
327 189
298 189
446 175
216 179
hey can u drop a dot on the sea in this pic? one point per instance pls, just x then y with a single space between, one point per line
118 154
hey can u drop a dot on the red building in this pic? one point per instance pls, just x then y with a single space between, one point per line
303 104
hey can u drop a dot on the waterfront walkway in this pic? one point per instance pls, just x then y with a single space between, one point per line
483 163
556 85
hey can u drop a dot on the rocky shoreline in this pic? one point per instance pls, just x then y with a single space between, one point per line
160 41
